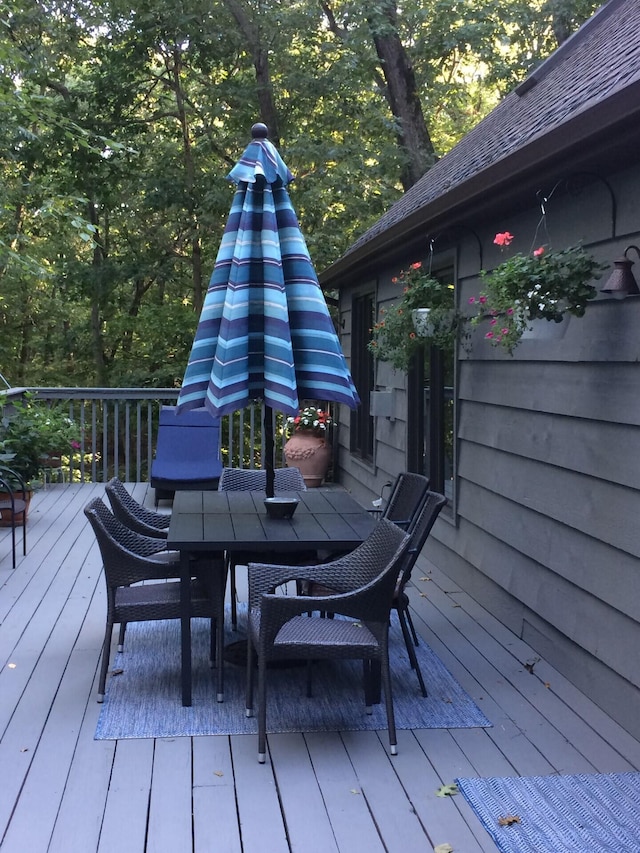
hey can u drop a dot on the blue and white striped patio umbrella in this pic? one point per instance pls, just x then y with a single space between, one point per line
265 331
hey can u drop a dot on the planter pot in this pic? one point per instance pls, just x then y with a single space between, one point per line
426 327
311 454
5 514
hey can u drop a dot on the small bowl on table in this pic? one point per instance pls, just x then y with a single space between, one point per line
281 507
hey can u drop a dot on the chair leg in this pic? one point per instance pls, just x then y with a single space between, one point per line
410 624
262 709
13 540
104 666
121 633
249 688
391 720
403 617
234 594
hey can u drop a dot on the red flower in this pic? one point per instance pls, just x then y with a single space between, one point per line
503 238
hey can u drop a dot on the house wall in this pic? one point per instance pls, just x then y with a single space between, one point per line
544 527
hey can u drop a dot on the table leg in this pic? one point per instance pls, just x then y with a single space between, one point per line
185 625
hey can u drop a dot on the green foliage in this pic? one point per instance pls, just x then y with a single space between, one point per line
544 285
118 127
395 338
29 431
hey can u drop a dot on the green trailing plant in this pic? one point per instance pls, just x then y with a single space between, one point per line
395 337
545 285
31 430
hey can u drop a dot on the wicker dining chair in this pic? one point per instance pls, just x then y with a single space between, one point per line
280 626
14 508
406 499
253 480
132 513
129 600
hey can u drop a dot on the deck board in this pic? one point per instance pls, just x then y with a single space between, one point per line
330 792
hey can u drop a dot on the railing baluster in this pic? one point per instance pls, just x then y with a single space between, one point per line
116 423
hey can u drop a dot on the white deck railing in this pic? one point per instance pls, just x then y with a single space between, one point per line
119 428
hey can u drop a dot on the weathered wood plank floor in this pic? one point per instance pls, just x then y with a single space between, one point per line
62 791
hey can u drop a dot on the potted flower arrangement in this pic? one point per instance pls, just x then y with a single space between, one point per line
308 447
425 315
31 432
542 285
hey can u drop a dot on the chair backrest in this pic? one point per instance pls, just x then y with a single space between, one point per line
419 531
187 450
406 498
255 479
371 571
131 513
114 537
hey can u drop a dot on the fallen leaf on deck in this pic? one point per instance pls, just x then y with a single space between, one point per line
218 773
425 579
447 790
355 791
117 671
443 848
547 685
529 665
423 594
508 820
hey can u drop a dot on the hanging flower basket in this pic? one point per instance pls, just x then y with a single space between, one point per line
543 285
425 315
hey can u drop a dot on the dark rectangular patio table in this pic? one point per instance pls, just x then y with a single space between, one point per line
327 518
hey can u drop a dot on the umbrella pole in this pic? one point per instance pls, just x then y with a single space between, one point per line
269 451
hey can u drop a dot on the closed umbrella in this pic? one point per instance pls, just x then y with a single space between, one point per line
265 329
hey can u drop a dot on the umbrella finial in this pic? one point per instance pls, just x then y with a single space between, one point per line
259 131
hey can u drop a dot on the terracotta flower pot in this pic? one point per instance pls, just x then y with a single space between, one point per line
310 453
5 514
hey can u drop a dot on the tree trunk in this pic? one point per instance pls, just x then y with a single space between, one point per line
402 95
260 57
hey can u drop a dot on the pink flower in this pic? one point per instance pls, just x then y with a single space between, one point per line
510 312
416 266
493 322
489 335
482 300
472 300
75 445
504 331
538 252
503 239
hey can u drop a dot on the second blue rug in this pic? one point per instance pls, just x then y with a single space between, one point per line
144 700
582 813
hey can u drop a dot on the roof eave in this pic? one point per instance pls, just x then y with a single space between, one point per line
578 142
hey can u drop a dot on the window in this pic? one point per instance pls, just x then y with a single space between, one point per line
431 430
362 371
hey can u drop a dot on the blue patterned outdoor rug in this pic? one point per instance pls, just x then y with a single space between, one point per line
144 700
597 813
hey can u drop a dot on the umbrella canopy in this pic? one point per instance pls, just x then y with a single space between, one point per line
265 329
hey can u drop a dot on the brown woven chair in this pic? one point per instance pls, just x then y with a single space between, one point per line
418 531
279 626
129 600
405 500
13 507
133 514
253 480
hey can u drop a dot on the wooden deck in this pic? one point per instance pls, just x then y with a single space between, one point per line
62 791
